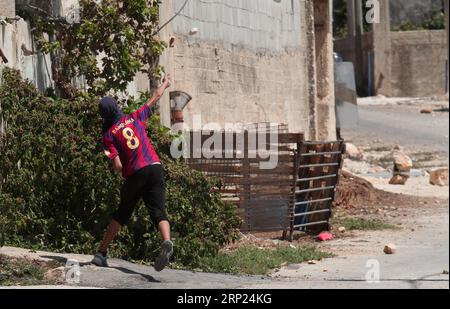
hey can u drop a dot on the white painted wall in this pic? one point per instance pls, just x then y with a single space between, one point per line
18 47
256 24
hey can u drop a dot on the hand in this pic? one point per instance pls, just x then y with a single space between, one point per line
160 91
107 153
167 81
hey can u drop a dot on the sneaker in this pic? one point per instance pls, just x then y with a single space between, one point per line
163 259
100 260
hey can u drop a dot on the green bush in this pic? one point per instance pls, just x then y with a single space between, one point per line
57 190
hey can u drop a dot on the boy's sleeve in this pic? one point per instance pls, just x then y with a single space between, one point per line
142 113
108 145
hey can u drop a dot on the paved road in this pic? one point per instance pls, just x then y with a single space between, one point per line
402 125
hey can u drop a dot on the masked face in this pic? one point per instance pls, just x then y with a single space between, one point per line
110 112
108 108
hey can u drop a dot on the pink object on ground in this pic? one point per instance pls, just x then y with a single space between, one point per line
325 236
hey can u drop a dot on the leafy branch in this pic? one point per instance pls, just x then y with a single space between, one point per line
110 44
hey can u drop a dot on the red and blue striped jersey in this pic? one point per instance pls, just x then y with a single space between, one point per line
128 140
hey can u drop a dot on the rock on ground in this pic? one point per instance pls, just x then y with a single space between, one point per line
403 163
427 110
352 152
398 180
390 249
439 177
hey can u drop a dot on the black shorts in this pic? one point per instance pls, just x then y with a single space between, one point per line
147 183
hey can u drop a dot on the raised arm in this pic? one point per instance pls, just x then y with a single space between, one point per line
160 91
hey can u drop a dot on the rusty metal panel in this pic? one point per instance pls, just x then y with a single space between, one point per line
264 198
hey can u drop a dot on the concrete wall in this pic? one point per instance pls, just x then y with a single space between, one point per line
326 117
408 63
7 8
248 63
416 67
17 45
418 63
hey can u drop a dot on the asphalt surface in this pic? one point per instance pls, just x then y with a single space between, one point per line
403 125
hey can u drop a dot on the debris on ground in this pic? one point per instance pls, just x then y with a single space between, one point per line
390 249
55 274
28 272
402 168
402 163
376 170
353 191
399 148
352 152
325 236
439 177
398 180
342 229
427 110
358 196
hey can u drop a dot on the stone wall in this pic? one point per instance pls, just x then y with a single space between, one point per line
409 63
418 63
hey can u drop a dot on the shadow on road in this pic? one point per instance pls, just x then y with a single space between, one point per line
132 272
63 260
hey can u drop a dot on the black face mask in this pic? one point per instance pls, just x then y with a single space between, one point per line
110 112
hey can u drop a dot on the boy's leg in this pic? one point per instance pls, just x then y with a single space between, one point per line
154 195
129 196
111 233
164 230
155 198
101 258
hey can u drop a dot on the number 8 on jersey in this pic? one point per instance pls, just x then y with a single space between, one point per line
132 140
